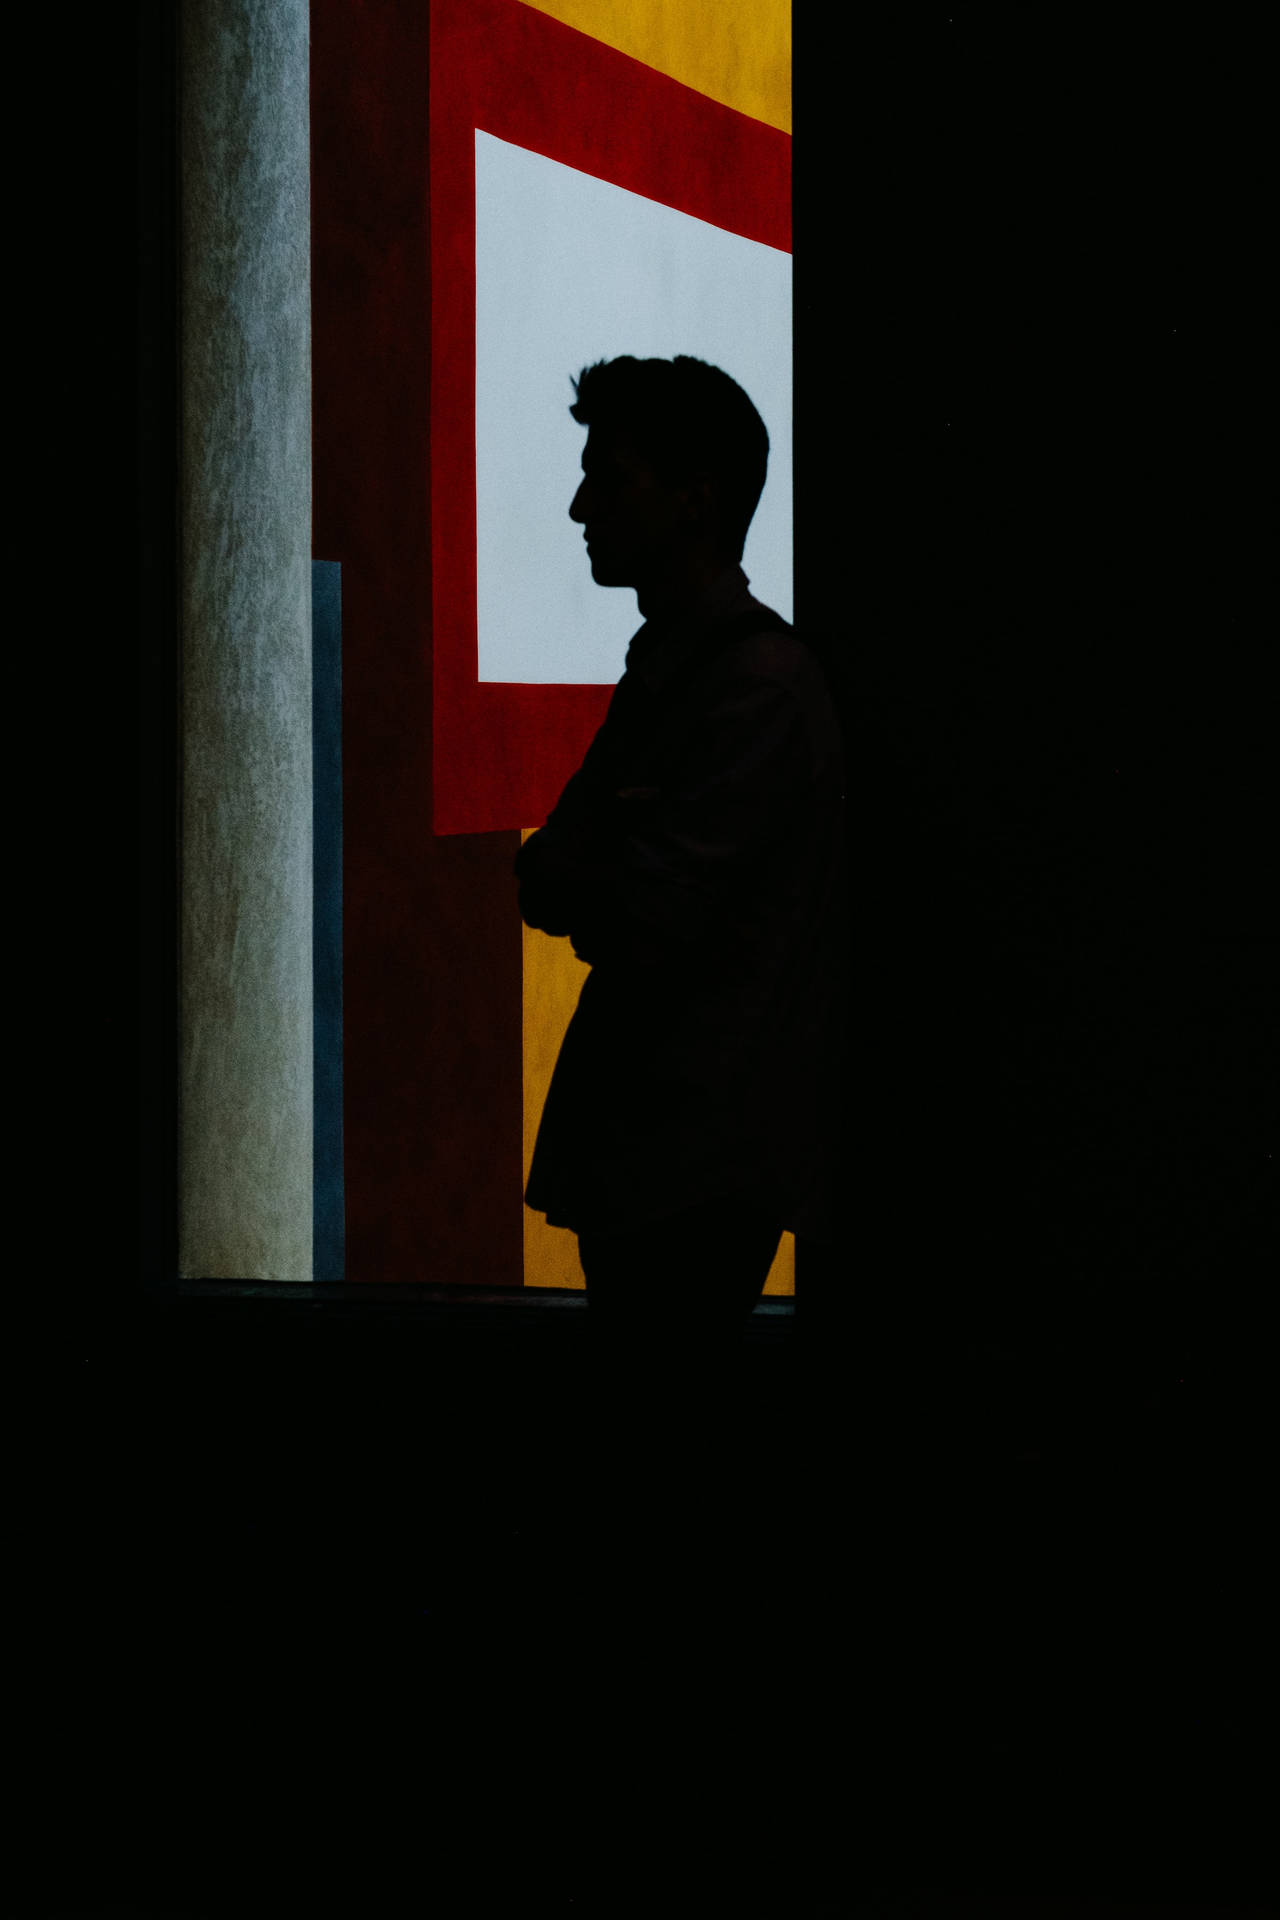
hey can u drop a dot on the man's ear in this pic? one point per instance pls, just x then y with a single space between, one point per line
702 506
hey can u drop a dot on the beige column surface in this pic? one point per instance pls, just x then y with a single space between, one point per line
246 995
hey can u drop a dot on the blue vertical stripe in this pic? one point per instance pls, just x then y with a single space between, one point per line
328 1202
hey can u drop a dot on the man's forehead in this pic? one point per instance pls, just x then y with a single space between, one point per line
610 449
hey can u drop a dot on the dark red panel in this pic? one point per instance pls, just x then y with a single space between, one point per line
431 1028
503 752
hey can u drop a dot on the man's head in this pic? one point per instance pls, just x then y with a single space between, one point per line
674 465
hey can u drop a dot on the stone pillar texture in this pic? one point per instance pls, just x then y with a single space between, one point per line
246 930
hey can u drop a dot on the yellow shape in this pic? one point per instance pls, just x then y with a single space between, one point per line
736 53
553 977
782 1274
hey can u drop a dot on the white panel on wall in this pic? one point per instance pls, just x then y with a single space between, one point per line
569 270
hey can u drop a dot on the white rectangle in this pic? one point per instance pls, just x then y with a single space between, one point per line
570 270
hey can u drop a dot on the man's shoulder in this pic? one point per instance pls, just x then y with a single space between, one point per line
758 644
745 622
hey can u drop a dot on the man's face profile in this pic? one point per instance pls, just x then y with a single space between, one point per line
632 522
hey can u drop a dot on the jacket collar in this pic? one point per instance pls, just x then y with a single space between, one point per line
662 647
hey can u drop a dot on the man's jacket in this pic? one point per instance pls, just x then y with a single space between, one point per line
695 862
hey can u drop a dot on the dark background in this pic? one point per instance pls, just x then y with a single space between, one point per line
1029 400
301 1629
1029 394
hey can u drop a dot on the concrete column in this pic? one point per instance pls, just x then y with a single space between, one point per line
246 958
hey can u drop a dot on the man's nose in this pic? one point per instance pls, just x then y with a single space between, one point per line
577 506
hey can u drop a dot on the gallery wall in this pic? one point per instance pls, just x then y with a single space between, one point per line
495 190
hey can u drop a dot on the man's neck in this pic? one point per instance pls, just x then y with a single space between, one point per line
665 598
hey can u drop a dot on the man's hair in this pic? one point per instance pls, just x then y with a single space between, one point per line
687 418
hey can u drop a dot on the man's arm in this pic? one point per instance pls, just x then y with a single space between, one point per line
648 877
558 866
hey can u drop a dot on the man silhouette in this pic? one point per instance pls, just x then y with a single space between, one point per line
694 860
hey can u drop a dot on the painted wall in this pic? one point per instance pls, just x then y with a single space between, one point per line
495 186
431 956
737 54
571 269
667 159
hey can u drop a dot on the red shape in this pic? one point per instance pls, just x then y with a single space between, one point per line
504 751
431 932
